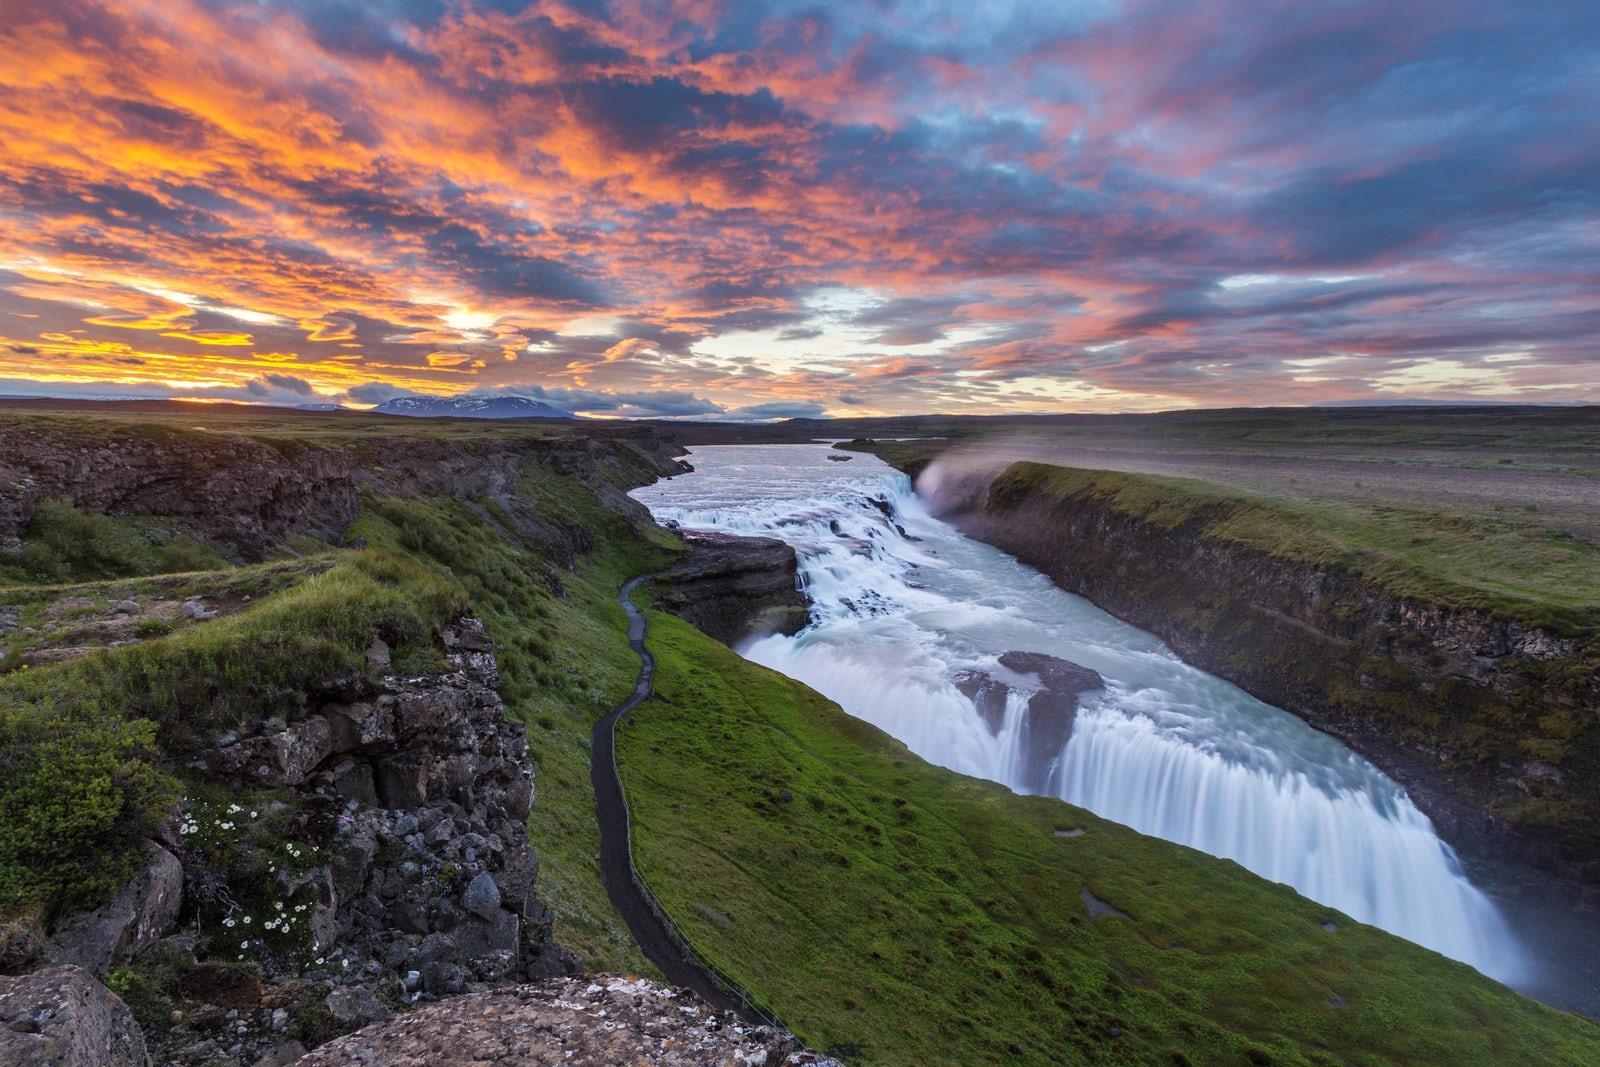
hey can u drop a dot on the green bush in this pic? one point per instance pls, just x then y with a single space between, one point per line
76 798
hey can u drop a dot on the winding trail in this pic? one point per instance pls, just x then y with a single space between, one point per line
659 943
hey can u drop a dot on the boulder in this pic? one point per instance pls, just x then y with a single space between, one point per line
987 695
62 1016
136 917
352 863
377 654
1054 673
477 937
482 896
355 1006
1055 684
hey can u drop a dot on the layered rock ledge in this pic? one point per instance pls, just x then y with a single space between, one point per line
735 587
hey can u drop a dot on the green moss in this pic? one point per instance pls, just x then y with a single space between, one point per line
913 915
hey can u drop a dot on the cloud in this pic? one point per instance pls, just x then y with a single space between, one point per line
375 393
274 390
702 210
780 409
283 383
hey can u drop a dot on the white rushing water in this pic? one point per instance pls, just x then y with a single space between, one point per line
1166 748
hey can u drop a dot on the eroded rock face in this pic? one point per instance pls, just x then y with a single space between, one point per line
1438 697
735 587
63 1017
244 494
594 1019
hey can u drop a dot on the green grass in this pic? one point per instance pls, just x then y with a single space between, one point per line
63 544
202 679
906 914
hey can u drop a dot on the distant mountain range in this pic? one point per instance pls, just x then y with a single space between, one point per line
471 407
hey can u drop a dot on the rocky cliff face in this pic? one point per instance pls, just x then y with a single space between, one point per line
734 588
246 495
418 792
375 855
1437 697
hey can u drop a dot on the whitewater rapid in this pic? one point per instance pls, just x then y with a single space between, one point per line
901 602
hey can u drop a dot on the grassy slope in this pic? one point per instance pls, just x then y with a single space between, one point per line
882 904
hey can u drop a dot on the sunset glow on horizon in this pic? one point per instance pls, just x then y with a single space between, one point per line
692 208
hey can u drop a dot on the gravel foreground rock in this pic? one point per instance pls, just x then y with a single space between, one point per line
589 1019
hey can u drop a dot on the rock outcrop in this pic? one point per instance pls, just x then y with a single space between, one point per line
1053 685
410 795
593 1019
735 587
62 1017
420 791
244 496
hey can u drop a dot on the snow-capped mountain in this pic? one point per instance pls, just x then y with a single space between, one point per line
471 407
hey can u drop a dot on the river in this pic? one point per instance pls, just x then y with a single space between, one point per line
901 602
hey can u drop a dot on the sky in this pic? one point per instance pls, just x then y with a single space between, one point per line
693 208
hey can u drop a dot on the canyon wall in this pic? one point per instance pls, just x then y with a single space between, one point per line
1490 723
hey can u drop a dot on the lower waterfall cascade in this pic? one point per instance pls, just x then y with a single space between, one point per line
901 602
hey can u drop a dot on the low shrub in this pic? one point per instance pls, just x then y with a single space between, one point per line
77 795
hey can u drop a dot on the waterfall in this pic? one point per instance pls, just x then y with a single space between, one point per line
902 603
